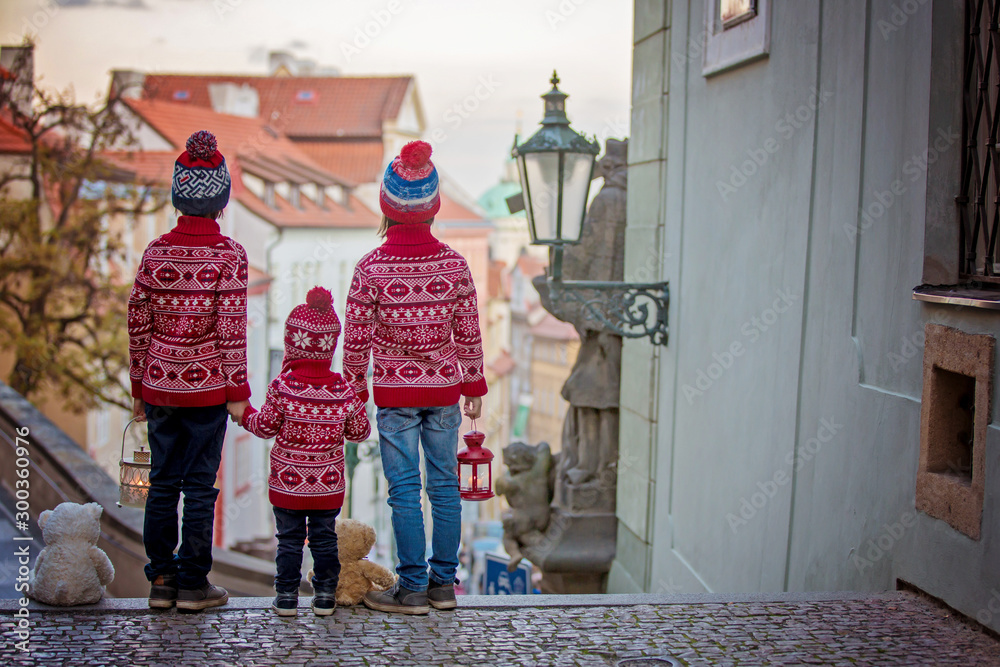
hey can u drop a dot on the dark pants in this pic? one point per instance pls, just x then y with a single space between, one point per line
186 448
292 533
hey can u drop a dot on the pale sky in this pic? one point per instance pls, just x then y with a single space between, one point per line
451 46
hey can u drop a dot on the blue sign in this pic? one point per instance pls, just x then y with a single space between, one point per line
501 582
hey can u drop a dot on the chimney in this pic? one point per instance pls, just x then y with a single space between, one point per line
234 100
128 83
19 61
281 62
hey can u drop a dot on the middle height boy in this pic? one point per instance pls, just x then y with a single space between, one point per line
311 410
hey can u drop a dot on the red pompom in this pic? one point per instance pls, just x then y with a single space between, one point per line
415 154
202 145
319 299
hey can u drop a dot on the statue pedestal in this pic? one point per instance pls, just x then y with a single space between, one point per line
576 552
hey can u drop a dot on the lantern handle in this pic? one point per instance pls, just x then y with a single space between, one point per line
124 433
474 424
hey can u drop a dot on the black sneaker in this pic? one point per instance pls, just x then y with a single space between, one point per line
441 596
163 591
324 604
196 599
399 600
286 604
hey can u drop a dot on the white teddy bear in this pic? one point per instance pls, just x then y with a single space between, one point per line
71 569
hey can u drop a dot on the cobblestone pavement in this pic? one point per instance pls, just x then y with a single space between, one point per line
894 629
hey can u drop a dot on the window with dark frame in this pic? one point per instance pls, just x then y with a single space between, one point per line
979 197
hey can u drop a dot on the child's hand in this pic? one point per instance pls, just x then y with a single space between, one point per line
139 409
473 407
236 410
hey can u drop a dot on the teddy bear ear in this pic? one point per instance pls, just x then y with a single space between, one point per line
94 509
43 518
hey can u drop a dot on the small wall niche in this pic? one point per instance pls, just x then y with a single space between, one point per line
954 415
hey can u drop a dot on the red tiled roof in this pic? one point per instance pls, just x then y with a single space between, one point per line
530 265
451 210
329 106
358 161
501 364
149 167
553 329
310 215
243 140
12 139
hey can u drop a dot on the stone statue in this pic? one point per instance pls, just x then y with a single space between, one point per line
587 474
578 544
525 484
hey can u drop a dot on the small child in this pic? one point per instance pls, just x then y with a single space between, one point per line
412 306
187 323
311 410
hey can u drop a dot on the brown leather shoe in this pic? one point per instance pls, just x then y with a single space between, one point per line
398 600
163 592
441 596
196 599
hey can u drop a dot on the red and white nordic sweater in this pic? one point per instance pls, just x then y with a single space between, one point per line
311 410
412 306
187 318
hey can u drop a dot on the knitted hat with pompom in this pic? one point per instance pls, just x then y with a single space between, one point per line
409 190
201 182
312 328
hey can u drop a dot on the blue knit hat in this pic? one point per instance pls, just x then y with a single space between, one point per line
201 182
409 190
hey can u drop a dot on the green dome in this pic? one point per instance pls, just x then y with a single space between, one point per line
494 200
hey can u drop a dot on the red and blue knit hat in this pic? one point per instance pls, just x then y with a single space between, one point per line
201 182
409 190
312 328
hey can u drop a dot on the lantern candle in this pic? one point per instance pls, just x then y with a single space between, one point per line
133 479
474 468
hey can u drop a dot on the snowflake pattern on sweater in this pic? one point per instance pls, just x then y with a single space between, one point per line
187 318
311 417
412 308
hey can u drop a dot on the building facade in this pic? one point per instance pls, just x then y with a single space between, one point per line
815 423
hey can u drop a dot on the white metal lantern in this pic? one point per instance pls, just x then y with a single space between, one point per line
133 475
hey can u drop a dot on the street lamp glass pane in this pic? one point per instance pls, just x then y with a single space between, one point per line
542 172
525 196
576 184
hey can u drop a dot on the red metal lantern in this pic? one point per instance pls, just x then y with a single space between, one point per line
475 472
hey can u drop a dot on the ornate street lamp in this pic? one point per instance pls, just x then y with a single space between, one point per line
556 166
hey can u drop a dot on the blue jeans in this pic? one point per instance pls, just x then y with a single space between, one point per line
186 449
399 431
292 533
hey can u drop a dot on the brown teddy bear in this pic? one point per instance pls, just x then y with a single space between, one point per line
358 575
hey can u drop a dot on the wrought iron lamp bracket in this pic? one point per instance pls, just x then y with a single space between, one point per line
629 310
